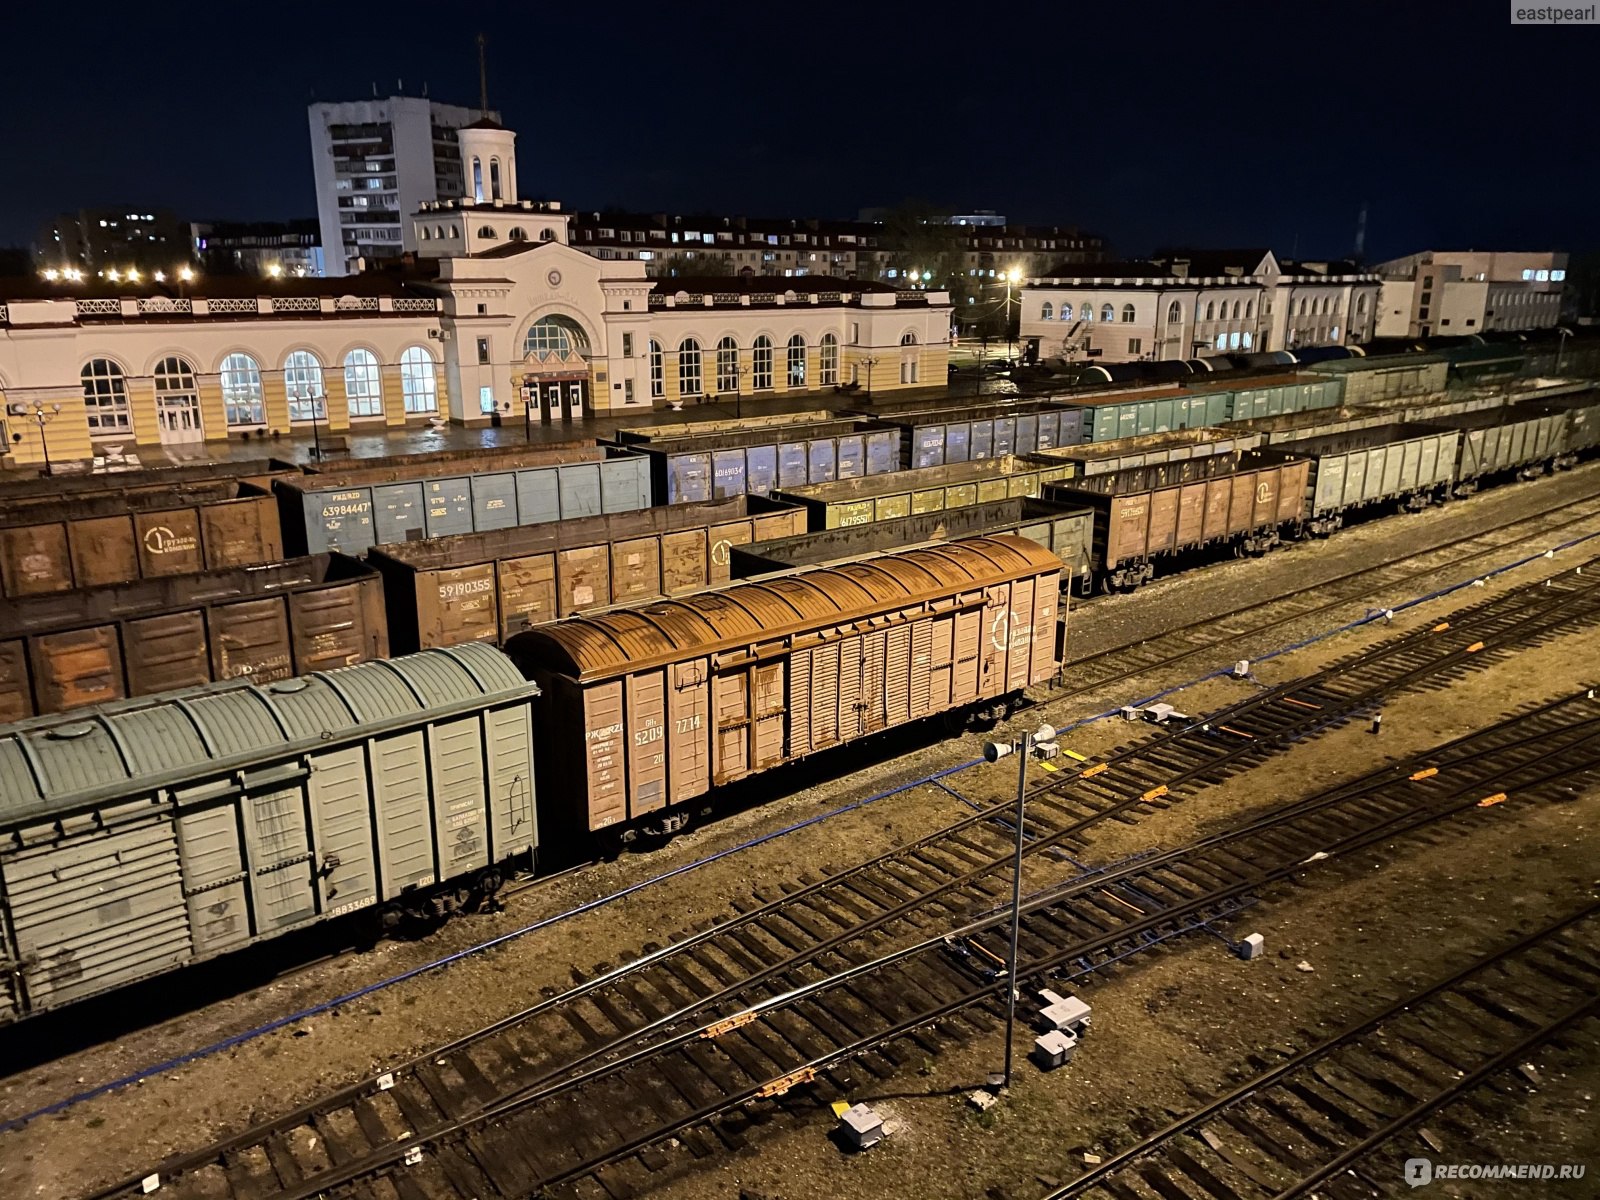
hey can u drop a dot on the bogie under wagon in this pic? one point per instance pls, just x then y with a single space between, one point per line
645 710
143 835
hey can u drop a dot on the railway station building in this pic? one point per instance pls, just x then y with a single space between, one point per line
1189 305
497 311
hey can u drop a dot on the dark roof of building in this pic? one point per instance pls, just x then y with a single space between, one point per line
484 123
800 285
1109 270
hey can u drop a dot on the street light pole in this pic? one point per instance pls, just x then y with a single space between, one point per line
869 363
994 752
41 415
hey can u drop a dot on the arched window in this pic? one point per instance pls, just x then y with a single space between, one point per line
1236 307
455 231
689 368
477 180
438 231
908 339
424 232
1361 305
1246 339
1174 313
1047 311
487 233
761 362
1106 313
555 338
419 381
829 360
1233 340
547 234
796 362
517 234
302 383
363 387
494 179
1302 306
1249 309
727 365
658 371
1066 312
1088 312
241 390
177 397
1333 334
105 397
1127 314
1211 310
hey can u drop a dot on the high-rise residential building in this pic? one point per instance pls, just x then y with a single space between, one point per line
376 162
283 249
97 240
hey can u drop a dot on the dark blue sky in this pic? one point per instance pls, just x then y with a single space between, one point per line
1220 124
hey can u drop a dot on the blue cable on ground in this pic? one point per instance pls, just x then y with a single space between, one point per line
935 778
239 1039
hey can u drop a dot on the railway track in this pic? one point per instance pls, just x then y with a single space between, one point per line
1319 1117
1095 672
819 925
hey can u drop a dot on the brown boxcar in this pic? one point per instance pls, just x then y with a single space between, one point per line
485 587
1264 492
119 537
646 709
65 651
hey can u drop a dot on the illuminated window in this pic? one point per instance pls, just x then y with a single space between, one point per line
1106 313
1088 312
658 371
1557 276
1066 312
796 362
689 376
1233 341
302 383
761 362
1127 314
419 381
1222 341
1541 276
908 339
1334 333
105 396
477 180
241 390
494 179
177 397
1245 339
1047 312
727 365
362 386
1527 275
554 337
829 360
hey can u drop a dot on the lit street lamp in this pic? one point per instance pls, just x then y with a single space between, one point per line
1023 750
42 414
869 363
1013 276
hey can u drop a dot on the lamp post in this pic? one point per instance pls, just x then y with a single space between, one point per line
1560 346
1013 277
42 414
1022 748
869 363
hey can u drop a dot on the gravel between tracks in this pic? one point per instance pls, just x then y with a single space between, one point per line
111 1136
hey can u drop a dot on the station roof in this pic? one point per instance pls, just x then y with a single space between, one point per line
126 751
604 645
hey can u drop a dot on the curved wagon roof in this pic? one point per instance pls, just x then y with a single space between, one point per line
129 750
598 645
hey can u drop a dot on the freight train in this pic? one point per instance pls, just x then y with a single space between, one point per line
146 834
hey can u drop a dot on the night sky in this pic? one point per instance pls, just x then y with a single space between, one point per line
1225 124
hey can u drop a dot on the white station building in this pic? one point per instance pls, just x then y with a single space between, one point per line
496 311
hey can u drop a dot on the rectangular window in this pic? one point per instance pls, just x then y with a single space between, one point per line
1472 321
1427 298
627 345
1422 314
627 391
486 399
483 310
1135 345
1427 282
855 333
483 352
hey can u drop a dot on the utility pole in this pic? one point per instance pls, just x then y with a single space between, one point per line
41 414
994 752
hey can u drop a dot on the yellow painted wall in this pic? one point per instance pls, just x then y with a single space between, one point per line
66 433
337 403
142 410
394 399
213 412
276 399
